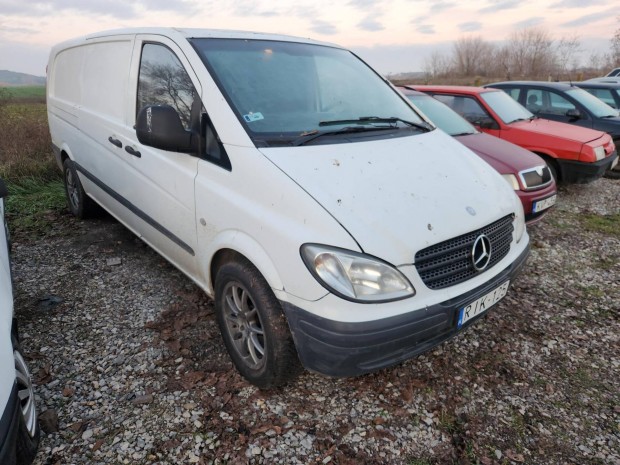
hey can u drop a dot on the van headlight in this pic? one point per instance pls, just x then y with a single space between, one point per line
519 221
355 276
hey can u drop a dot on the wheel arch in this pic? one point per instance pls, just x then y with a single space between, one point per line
233 245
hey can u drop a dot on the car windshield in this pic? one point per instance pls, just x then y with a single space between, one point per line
443 116
284 90
598 108
506 108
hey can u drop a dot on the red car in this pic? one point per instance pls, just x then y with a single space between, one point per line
573 154
525 171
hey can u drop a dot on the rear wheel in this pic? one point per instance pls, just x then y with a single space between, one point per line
28 428
253 326
80 204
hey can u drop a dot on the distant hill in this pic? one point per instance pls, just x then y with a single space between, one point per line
11 78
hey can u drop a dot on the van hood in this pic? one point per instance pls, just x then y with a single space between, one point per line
397 196
556 129
504 156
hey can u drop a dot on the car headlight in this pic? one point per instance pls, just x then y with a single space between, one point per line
511 179
519 221
355 276
599 152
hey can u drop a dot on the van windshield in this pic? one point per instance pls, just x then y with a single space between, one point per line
282 91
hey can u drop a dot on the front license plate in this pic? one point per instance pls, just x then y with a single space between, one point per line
482 304
544 204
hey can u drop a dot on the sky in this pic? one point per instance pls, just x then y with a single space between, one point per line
394 36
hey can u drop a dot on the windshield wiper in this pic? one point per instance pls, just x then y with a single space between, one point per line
463 134
306 137
376 119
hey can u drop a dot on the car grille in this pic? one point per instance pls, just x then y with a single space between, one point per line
449 262
533 180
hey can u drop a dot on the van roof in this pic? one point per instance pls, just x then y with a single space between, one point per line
191 33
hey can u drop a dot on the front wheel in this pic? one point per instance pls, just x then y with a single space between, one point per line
253 326
28 428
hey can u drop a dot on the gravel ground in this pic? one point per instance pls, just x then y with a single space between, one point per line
130 368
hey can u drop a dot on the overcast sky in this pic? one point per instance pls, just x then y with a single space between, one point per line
392 35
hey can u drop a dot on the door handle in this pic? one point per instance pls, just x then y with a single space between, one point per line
131 151
116 142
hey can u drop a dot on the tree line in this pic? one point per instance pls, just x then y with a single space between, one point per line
530 53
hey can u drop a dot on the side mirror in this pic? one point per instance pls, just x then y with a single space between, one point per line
3 189
573 114
160 126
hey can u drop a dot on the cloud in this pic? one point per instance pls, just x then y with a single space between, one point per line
576 3
371 24
420 19
323 27
470 26
363 4
426 29
243 8
441 6
591 18
115 8
501 5
533 21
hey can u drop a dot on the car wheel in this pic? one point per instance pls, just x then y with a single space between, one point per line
253 326
80 204
28 428
553 168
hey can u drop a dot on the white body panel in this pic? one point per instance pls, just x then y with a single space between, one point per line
7 367
387 198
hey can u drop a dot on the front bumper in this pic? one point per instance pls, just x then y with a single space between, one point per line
336 348
9 424
529 198
581 172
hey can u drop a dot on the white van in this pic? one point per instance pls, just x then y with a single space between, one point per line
330 221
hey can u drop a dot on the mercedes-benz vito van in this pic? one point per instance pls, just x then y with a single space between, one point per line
330 221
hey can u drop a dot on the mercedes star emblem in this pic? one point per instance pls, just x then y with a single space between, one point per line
481 252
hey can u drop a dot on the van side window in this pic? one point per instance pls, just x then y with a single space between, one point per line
164 81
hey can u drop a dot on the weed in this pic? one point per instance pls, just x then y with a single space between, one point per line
30 203
25 144
606 224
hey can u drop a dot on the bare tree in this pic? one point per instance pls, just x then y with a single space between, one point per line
615 48
531 52
567 52
472 56
438 64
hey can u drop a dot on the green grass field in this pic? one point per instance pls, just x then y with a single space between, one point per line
25 93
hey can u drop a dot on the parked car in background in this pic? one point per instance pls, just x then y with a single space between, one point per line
574 154
613 72
606 91
19 430
524 171
566 103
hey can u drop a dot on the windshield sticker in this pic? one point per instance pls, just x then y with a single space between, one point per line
251 117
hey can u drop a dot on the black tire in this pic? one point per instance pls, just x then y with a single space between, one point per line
28 432
553 167
80 204
253 326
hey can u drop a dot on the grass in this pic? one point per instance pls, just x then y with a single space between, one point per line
33 204
25 143
606 224
22 94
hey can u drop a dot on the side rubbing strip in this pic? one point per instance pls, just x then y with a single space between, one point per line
131 207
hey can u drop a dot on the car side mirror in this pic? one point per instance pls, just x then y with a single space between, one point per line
573 113
160 126
3 189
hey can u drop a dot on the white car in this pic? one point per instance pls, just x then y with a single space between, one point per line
332 223
19 430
